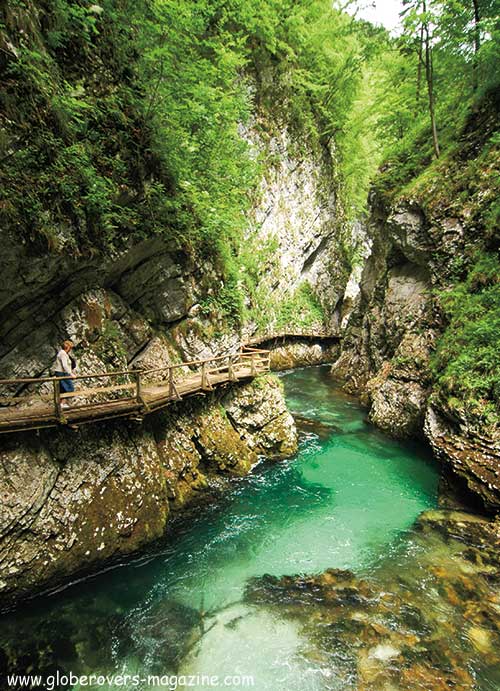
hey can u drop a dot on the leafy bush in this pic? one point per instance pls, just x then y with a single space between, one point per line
466 364
301 310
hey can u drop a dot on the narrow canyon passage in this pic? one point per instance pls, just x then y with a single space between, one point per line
345 501
249 345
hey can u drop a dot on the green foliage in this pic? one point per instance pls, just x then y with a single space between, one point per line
465 58
71 108
466 364
122 120
256 257
301 310
227 301
466 183
109 346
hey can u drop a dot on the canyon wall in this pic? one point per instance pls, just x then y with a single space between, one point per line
392 334
73 502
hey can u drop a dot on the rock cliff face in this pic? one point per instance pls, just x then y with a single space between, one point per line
390 337
107 307
73 502
299 220
76 501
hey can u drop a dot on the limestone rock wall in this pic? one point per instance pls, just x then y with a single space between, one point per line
301 354
73 502
144 303
390 336
299 218
114 309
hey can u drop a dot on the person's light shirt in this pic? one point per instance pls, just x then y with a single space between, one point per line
63 362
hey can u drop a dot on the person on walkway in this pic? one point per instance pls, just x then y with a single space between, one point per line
63 368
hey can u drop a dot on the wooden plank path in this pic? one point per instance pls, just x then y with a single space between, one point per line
134 394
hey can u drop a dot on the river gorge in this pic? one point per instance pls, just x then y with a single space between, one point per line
332 569
268 234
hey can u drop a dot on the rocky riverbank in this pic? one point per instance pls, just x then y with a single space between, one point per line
392 334
418 621
76 501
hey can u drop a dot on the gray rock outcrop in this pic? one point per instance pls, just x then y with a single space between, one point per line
389 340
74 502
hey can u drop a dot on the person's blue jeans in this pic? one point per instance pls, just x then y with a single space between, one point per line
65 385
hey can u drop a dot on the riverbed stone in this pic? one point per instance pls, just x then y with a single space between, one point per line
425 620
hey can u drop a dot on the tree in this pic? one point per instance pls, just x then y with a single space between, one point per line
429 76
477 43
418 20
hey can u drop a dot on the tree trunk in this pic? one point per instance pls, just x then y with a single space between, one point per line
420 63
429 74
477 44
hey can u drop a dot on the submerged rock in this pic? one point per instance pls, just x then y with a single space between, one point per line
334 587
66 641
427 618
163 635
323 430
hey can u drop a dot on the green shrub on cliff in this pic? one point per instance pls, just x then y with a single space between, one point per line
301 310
122 119
119 122
466 364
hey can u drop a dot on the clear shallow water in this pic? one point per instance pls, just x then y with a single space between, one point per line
345 501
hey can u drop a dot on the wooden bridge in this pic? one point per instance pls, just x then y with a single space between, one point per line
306 335
128 393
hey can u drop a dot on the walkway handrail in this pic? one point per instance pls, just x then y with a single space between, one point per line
121 373
140 395
190 363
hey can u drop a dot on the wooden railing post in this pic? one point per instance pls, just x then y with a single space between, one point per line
253 369
57 399
230 369
139 393
204 377
138 390
171 387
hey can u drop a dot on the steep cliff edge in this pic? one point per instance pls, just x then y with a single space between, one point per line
421 345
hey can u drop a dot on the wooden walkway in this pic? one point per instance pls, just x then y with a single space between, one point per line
128 393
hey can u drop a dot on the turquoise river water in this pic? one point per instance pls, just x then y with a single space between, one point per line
348 500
